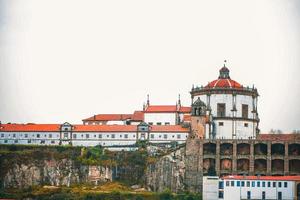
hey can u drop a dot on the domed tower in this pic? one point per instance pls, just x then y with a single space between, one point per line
232 108
198 118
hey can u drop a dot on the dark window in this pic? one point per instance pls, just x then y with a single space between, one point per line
221 195
279 184
167 123
16 141
2 135
258 184
285 184
158 123
50 135
126 136
227 183
66 129
274 184
232 184
14 135
100 136
248 183
65 135
248 195
263 184
243 183
150 123
42 141
263 195
279 195
244 111
221 123
38 135
178 136
165 136
253 183
152 136
221 109
238 183
87 135
269 184
52 142
113 136
5 141
95 136
246 124
74 136
28 141
221 185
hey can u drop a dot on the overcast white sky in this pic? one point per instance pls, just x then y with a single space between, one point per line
65 60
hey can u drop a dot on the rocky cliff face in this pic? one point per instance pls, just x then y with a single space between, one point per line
167 173
22 171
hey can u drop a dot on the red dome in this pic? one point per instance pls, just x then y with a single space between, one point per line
223 83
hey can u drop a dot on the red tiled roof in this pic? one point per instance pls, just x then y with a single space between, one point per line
187 118
273 178
279 137
109 117
223 83
30 127
138 116
104 128
166 109
86 128
168 128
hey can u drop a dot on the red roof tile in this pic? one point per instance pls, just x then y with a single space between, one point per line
29 127
166 109
187 118
109 117
273 178
223 83
138 116
168 128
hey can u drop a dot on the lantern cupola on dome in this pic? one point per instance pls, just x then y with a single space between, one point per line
224 72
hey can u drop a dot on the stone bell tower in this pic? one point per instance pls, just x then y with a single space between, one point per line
198 119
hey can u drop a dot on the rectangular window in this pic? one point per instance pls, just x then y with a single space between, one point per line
258 184
279 184
5 141
42 141
285 184
245 124
158 123
87 136
232 184
14 135
221 185
178 136
167 123
150 123
263 184
165 136
253 183
16 141
152 136
244 111
74 136
238 183
52 142
221 194
248 195
227 183
274 184
65 135
221 109
28 141
126 136
243 183
113 136
269 184
2 135
248 183
263 195
221 123
279 195
26 135
38 135
100 135
50 135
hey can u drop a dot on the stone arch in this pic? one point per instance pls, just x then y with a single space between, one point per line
294 166
243 164
277 149
260 165
209 148
226 164
277 165
226 149
243 149
260 149
294 149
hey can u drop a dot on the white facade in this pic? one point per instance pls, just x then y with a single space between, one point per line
160 118
257 189
210 188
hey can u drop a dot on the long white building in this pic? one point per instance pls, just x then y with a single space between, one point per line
259 187
90 135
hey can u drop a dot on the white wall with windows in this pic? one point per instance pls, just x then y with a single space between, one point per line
160 118
256 189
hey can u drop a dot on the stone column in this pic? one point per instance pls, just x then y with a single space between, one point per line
251 158
217 157
234 157
286 158
269 158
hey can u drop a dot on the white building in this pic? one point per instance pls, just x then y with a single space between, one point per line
90 135
210 188
232 108
259 187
